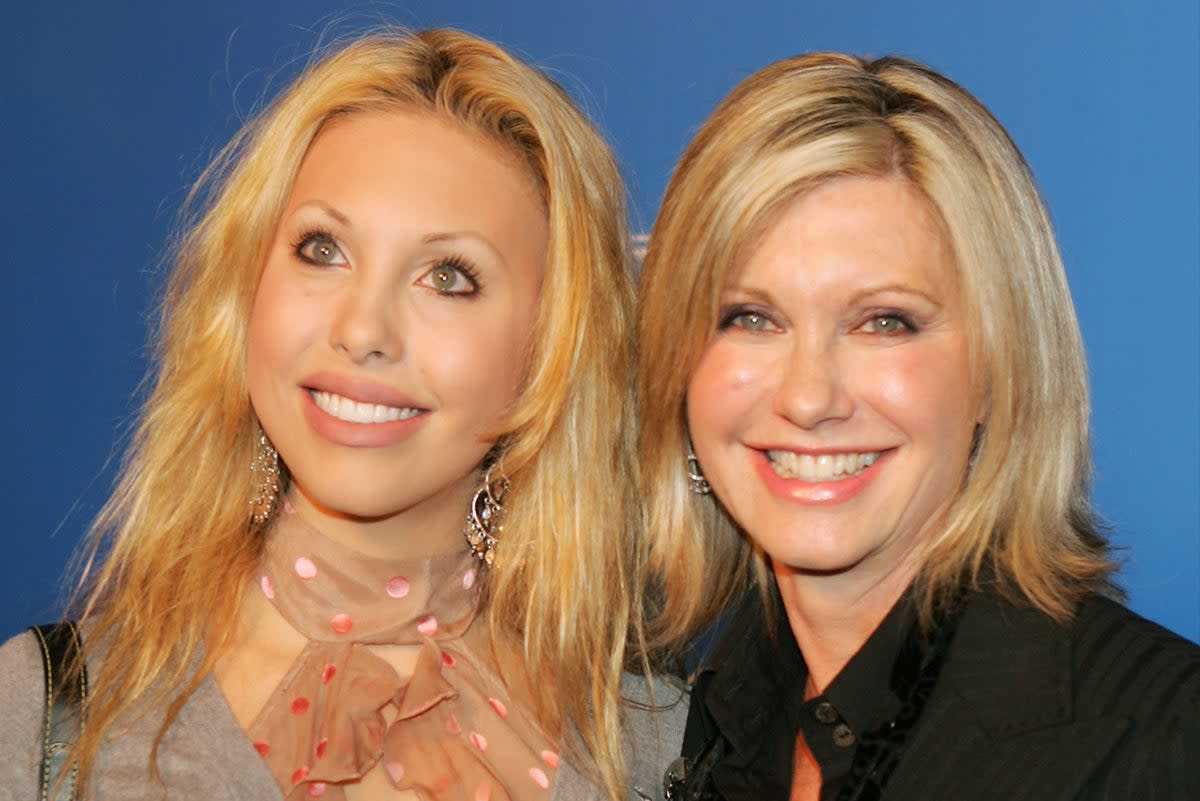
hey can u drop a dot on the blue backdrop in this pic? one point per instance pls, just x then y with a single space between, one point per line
111 109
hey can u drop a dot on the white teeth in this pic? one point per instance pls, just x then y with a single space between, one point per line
823 467
353 411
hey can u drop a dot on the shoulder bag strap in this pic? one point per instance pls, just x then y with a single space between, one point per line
63 721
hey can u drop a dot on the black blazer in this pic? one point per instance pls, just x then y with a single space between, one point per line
1104 708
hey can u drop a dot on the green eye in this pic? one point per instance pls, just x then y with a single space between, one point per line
889 325
444 279
451 276
320 249
747 319
752 321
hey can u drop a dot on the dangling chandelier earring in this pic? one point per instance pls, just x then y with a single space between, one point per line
697 483
264 476
484 519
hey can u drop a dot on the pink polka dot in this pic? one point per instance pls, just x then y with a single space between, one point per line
327 673
268 587
540 778
452 725
300 774
300 705
478 740
499 706
483 792
397 586
448 659
262 748
341 623
305 568
316 789
427 625
324 744
469 582
550 758
395 770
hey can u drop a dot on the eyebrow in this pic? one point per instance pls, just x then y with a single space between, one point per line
321 205
765 295
451 236
904 289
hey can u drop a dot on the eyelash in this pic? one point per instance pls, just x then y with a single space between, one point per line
729 316
453 261
906 320
459 263
306 237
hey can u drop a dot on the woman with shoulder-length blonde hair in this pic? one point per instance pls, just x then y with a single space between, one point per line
863 392
374 538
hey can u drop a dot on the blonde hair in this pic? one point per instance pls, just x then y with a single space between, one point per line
174 547
1023 511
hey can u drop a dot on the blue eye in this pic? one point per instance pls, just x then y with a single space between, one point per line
319 248
452 276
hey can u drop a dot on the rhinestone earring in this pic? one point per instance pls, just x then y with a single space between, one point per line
484 519
697 483
264 477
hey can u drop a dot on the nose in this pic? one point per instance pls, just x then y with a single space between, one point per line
366 324
812 389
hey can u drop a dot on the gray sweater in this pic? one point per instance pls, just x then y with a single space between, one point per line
205 755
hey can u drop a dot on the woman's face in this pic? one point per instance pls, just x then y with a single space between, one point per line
390 327
833 409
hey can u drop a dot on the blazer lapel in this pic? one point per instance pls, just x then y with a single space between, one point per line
1002 724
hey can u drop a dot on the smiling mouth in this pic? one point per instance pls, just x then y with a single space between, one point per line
352 411
821 467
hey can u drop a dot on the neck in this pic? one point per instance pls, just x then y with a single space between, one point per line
424 530
833 614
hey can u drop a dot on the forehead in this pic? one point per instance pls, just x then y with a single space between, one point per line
401 146
850 228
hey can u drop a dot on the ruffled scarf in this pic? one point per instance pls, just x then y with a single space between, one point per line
454 732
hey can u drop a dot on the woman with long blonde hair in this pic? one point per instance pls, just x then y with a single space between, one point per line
865 423
374 537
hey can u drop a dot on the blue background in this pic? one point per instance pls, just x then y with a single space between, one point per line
111 109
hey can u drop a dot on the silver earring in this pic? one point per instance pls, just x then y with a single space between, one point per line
264 474
697 483
484 521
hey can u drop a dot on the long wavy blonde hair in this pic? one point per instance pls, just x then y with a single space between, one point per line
1023 511
174 547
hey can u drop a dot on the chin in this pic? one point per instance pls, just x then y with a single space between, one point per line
815 561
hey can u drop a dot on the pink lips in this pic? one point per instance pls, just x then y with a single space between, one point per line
358 435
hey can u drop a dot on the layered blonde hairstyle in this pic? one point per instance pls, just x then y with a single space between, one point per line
1022 517
175 546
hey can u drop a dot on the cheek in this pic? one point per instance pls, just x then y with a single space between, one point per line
925 390
478 363
724 388
263 345
281 321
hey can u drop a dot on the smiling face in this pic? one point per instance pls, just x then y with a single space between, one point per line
833 409
390 327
